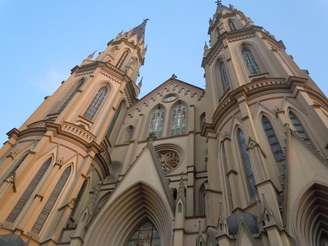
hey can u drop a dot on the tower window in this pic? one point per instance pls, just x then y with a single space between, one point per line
178 119
28 191
157 121
272 139
250 61
224 76
51 200
251 184
96 103
232 25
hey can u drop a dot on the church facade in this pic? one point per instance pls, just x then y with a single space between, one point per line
241 162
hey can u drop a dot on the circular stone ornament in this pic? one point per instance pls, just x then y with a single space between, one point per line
169 159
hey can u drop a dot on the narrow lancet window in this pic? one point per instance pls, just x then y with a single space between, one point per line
272 139
178 119
250 61
96 103
250 179
28 191
157 121
224 76
51 201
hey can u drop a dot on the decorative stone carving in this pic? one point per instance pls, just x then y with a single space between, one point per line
170 159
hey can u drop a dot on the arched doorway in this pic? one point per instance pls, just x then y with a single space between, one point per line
138 212
312 217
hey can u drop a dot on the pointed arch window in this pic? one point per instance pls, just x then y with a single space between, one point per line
224 76
201 202
298 126
146 234
179 119
250 178
51 200
28 191
250 61
96 103
232 25
272 139
157 121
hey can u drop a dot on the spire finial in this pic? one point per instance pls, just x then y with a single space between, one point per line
219 3
92 55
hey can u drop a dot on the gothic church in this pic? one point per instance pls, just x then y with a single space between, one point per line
241 162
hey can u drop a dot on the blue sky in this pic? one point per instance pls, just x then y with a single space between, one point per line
42 40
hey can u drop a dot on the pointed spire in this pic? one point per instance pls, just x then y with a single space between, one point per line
219 3
139 30
92 55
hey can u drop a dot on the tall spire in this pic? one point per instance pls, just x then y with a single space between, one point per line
139 30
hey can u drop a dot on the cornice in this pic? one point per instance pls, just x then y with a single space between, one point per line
66 130
255 87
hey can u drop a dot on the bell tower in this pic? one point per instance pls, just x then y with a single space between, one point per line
46 162
261 108
240 51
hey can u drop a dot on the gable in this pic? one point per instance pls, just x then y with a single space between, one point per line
174 86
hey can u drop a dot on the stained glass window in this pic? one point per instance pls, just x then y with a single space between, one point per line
28 191
251 184
250 61
179 119
96 103
51 201
145 235
272 139
224 76
298 126
157 121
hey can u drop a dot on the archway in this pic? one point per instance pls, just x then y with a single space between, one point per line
121 218
312 217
